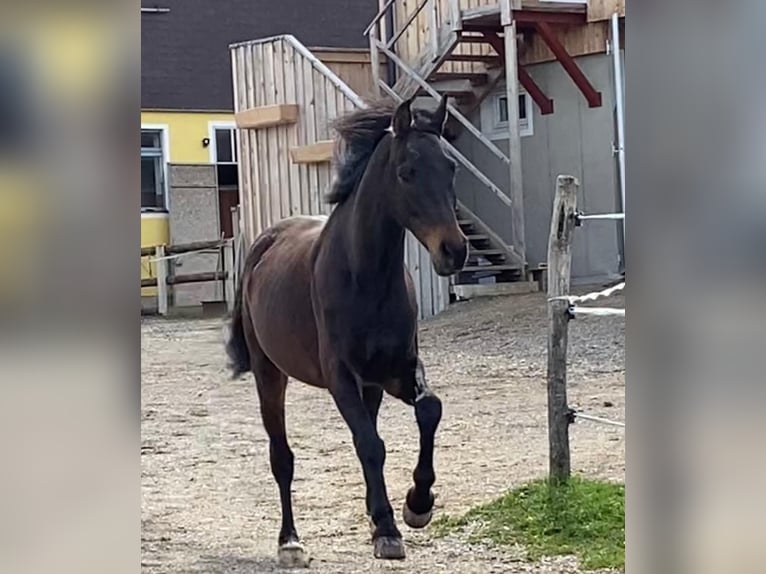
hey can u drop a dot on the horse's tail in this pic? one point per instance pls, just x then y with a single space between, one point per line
236 346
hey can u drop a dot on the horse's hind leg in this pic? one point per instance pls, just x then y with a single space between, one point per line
272 383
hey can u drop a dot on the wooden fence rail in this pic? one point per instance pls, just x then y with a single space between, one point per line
164 265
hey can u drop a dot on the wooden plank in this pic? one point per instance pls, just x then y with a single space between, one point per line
253 213
162 280
599 10
262 139
427 274
282 184
322 133
272 168
267 116
559 269
311 135
293 187
302 127
319 152
514 142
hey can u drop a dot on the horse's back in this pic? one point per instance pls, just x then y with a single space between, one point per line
278 295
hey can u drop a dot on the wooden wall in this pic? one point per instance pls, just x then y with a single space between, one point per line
351 65
273 187
580 40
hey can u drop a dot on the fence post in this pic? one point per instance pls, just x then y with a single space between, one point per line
559 268
229 273
162 279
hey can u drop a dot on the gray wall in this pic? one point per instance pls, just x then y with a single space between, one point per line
574 140
194 217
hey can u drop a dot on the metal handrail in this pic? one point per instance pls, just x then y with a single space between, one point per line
406 25
434 94
378 16
459 156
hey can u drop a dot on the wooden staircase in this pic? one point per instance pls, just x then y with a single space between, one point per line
488 255
463 57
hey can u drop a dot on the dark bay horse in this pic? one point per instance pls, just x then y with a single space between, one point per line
330 303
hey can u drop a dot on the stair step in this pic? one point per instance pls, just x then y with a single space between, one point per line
485 58
451 92
489 268
465 39
486 252
477 237
476 78
465 222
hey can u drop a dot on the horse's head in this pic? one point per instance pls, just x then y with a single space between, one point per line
423 199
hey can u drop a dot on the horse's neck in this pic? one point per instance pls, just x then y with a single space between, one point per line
376 240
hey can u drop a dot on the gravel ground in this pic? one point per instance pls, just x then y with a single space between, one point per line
210 504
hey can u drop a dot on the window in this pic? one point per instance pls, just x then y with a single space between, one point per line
494 115
223 138
152 170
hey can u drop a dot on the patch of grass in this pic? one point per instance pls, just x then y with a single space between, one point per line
581 517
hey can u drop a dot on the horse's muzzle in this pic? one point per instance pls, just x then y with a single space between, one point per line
451 256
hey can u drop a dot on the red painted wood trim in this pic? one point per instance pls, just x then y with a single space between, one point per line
543 102
578 77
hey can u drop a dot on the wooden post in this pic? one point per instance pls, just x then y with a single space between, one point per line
514 134
374 61
162 279
230 274
559 268
433 24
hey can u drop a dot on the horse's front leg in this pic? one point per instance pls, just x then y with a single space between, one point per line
418 506
387 540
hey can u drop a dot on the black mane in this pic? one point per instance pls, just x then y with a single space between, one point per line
360 132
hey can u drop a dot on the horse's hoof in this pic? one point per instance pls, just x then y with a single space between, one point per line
293 555
416 520
389 548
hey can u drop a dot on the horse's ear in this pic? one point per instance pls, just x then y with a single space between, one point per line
439 119
403 120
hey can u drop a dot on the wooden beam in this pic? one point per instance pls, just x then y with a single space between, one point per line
534 16
543 102
319 152
514 133
559 269
549 37
267 116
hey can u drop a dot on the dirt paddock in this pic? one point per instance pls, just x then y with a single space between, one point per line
210 504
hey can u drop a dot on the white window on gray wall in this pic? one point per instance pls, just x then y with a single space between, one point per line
494 115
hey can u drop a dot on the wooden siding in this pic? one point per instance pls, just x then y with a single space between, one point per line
578 40
352 66
282 71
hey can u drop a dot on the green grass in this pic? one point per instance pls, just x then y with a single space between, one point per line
581 517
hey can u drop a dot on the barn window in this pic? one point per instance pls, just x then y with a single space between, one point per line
494 115
153 153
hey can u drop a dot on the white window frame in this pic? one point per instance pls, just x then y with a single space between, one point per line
213 146
164 130
493 127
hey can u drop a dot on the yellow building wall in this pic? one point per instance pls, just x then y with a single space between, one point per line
185 133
